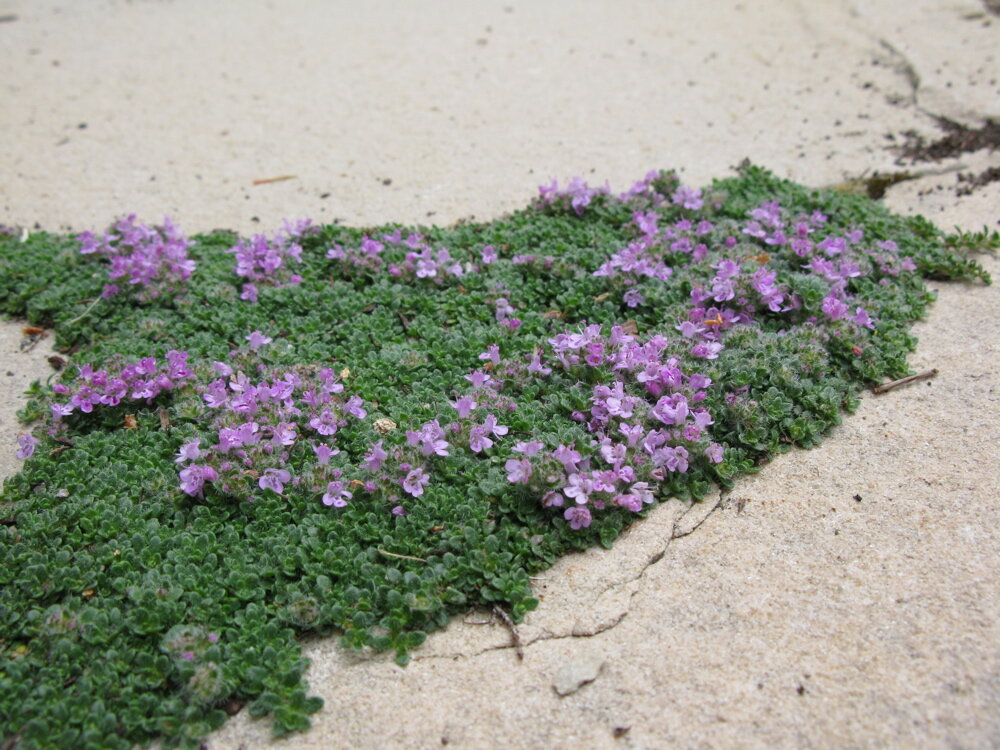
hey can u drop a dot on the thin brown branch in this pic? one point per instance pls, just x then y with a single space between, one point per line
279 178
514 635
926 374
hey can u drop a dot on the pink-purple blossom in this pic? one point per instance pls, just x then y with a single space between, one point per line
518 470
578 517
415 481
374 458
26 445
274 479
336 494
258 339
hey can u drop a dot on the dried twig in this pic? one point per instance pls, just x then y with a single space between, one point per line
82 315
399 557
905 381
514 635
279 178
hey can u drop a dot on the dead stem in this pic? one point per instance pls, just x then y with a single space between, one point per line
399 557
514 635
905 381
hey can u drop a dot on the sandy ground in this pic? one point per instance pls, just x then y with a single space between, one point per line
847 596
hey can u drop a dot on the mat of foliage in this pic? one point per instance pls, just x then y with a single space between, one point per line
362 432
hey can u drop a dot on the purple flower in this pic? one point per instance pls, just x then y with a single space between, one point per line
529 448
152 257
189 452
488 254
490 425
678 461
325 423
464 406
478 440
633 298
579 488
258 339
503 309
535 367
274 479
552 499
399 510
707 350
193 478
430 438
862 318
689 198
518 470
671 410
834 308
689 329
632 433
702 418
630 502
85 399
27 445
714 453
492 354
568 457
578 517
642 491
415 482
697 381
247 399
283 434
374 458
247 433
353 407
324 452
336 495
478 378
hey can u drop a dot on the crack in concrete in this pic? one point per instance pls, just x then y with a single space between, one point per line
701 512
905 67
525 645
705 509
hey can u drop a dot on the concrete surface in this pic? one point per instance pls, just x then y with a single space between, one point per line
787 614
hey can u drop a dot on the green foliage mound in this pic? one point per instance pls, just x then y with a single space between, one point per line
612 351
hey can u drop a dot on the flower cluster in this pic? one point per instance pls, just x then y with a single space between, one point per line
118 382
745 285
658 249
152 259
409 467
577 194
835 259
258 425
266 261
420 260
644 422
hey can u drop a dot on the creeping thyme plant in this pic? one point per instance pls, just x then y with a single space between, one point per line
362 432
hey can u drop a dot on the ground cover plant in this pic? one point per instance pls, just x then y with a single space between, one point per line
362 432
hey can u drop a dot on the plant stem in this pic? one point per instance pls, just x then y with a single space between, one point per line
905 381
